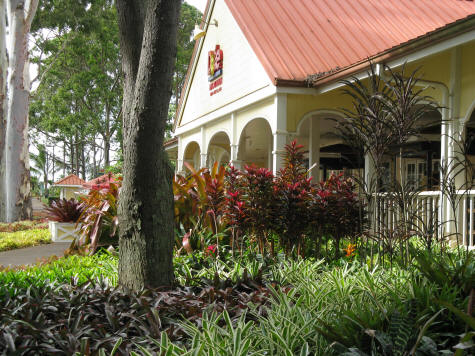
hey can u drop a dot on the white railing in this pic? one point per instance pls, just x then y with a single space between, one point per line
467 206
424 213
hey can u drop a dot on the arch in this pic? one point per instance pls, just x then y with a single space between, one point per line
469 114
243 123
219 148
191 154
255 143
330 113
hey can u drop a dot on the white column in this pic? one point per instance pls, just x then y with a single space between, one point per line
203 160
369 171
269 154
314 149
279 131
234 157
179 166
234 144
204 149
180 157
452 131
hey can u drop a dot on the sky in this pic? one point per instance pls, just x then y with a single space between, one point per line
199 4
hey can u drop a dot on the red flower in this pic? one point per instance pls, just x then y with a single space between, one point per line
211 250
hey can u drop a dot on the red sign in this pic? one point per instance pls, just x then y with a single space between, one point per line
215 70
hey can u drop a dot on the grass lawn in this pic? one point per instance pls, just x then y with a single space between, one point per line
24 238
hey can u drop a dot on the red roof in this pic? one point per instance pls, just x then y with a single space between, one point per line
72 179
298 38
101 182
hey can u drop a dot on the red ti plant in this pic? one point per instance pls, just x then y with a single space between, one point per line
199 200
259 204
98 219
340 215
234 206
293 193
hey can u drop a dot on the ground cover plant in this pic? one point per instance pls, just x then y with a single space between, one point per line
56 271
273 305
23 225
23 238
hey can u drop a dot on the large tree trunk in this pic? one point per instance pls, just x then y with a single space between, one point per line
18 205
148 46
3 105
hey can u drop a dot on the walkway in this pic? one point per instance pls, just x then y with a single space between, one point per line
31 255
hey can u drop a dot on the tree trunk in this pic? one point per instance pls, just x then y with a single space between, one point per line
83 162
64 158
107 139
148 46
45 173
94 165
3 105
18 205
72 155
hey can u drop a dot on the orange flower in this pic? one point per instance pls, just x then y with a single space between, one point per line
350 250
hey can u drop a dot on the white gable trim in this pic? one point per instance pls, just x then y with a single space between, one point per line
190 78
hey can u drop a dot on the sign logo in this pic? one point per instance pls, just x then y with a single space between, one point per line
215 70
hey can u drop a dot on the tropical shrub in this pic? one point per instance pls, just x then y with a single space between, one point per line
293 200
338 209
98 221
63 210
199 202
234 206
257 188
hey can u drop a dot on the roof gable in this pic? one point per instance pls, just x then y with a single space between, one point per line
242 71
72 179
298 38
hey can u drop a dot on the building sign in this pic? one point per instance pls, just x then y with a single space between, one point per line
215 70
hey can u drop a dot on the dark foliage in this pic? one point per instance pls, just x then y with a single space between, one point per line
93 316
63 210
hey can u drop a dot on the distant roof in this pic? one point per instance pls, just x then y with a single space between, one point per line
72 179
101 181
298 38
171 142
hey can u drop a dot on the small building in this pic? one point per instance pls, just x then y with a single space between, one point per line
270 71
70 186
100 182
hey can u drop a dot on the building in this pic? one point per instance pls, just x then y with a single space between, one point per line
70 186
270 71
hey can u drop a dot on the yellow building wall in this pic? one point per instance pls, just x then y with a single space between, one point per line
300 105
69 192
433 68
467 78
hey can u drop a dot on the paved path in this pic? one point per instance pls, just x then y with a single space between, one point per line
31 255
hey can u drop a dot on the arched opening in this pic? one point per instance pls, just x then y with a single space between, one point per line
192 154
469 147
219 149
326 153
420 154
255 144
